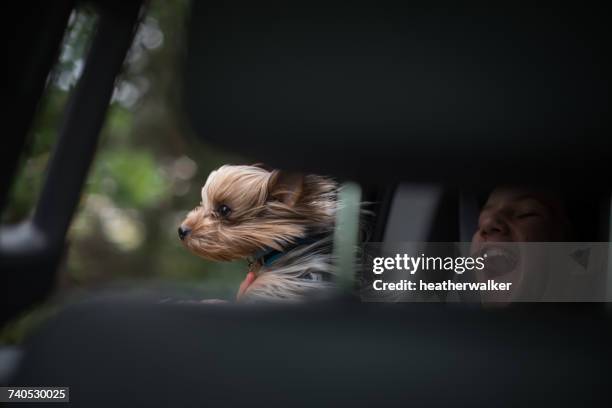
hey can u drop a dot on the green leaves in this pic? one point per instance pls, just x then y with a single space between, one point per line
130 177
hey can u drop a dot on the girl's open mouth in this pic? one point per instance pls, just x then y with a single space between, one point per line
499 259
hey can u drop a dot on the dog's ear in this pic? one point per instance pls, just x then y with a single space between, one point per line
285 187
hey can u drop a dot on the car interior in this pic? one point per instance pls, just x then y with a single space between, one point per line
427 107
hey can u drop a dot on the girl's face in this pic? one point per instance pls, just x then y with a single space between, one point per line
520 215
512 216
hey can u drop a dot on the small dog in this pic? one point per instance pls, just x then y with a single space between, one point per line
282 223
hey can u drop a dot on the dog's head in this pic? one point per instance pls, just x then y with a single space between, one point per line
245 209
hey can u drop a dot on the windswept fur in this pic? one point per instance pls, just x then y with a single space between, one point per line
301 273
247 209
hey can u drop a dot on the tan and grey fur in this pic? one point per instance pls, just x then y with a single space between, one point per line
248 209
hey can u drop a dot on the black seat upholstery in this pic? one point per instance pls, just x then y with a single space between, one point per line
115 352
418 92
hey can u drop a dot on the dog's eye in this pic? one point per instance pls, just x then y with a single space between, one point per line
224 211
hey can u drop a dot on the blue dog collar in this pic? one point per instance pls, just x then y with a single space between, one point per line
268 256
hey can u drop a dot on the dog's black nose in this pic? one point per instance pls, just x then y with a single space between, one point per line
183 232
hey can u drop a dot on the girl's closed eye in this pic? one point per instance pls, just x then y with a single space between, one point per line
527 214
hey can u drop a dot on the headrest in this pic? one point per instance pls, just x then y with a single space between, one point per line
369 90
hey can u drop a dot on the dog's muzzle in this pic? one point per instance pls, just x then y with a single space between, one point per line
183 232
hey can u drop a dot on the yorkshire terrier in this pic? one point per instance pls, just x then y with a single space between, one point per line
281 223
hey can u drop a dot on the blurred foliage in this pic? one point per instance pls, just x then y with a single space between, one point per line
147 173
131 178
